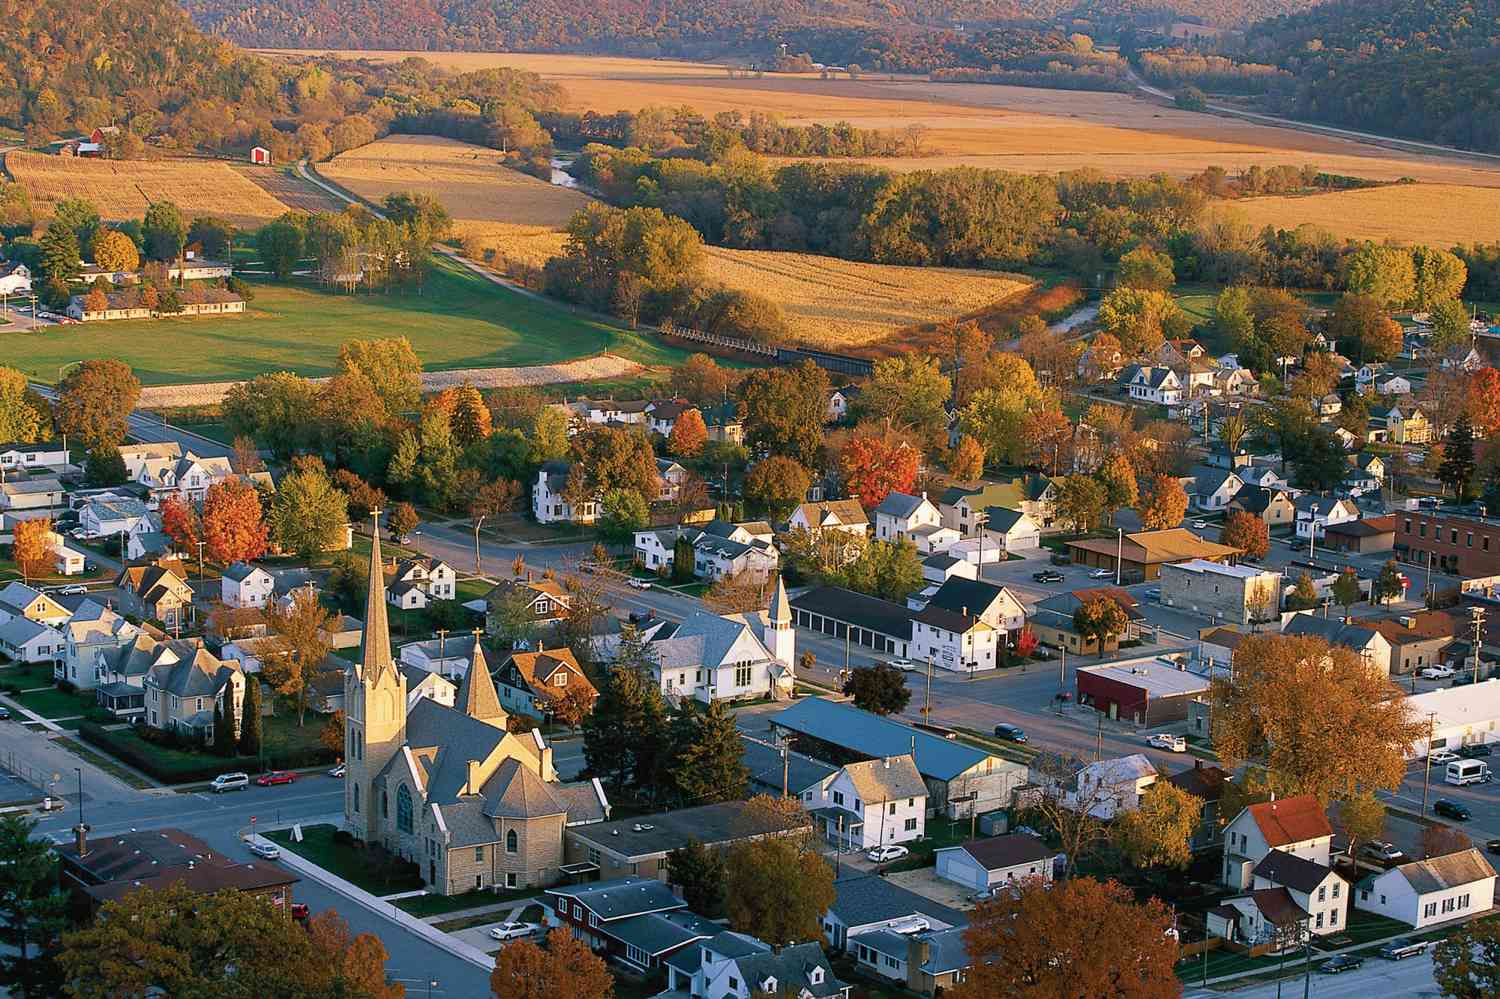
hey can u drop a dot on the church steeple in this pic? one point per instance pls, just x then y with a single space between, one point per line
375 652
476 696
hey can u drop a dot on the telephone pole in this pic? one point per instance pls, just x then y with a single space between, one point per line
1427 763
927 697
1476 620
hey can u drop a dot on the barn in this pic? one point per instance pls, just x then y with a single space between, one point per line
260 156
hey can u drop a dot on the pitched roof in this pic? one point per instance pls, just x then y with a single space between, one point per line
1448 871
1292 871
476 696
514 791
1332 630
900 505
622 897
792 967
874 736
847 512
869 898
538 668
1278 906
971 596
1290 820
1256 499
375 646
765 764
1368 527
1229 638
886 779
1425 626
996 853
1202 780
859 609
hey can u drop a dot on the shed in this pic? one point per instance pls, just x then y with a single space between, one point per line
260 156
981 864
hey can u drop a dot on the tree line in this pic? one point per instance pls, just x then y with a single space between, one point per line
355 247
686 130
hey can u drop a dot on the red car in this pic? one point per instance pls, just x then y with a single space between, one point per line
275 777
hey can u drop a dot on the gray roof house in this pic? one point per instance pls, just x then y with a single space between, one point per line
707 968
866 902
768 769
1362 639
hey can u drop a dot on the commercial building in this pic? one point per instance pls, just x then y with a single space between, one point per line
1142 554
1369 536
1238 594
1468 546
1147 692
1456 716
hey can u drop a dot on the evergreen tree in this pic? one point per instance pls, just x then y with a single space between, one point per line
683 558
32 910
698 872
625 736
707 755
250 719
1304 594
1457 469
59 252
1346 590
1388 583
224 742
105 466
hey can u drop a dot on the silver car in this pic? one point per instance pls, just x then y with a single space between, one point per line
265 851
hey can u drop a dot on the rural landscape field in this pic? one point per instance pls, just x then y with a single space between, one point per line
124 190
1439 214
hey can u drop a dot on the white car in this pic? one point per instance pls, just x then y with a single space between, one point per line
338 771
1200 524
640 584
265 851
1162 740
1441 756
1101 573
72 589
880 854
905 665
1435 672
513 931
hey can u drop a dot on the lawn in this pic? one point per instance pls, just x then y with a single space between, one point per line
27 675
347 862
54 703
282 744
458 320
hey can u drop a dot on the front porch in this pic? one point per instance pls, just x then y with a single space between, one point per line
122 700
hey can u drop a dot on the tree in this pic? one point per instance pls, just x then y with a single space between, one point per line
94 401
392 367
1146 269
1099 620
1387 585
737 594
622 513
910 391
783 410
402 520
32 909
1361 329
1439 840
467 414
567 969
1142 318
24 415
885 569
362 497
626 735
59 253
1159 833
966 464
179 520
996 414
701 381
1440 276
1117 476
280 248
1048 437
250 719
232 523
164 230
778 888
302 626
274 410
1484 401
1383 272
699 873
688 435
606 459
880 689
1318 460
1346 590
114 251
874 465
707 764
1362 818
1304 594
1319 718
1081 501
1082 938
570 706
1466 962
224 736
1167 506
33 548
1450 327
331 735
309 514
1248 533
777 484
1457 469
1232 430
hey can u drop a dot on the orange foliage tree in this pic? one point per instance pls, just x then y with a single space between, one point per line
567 969
688 436
1484 401
233 526
1167 506
33 548
876 466
180 521
967 461
1248 532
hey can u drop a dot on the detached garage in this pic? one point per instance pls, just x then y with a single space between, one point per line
980 864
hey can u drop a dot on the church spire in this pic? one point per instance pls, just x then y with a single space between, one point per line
476 696
781 607
375 652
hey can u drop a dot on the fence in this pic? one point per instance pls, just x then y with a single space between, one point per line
838 363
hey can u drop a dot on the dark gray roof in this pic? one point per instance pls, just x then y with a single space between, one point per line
870 898
457 738
1291 871
900 504
948 952
198 675
516 792
791 968
658 932
764 764
724 822
1448 871
950 621
996 853
622 898
1255 499
1333 630
969 596
857 609
871 735
1211 480
238 572
941 561
1002 519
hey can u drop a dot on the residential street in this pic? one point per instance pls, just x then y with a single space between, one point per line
1410 979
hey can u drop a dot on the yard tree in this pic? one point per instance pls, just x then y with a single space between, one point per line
224 737
232 524
1440 840
309 514
1440 276
250 721
876 464
1248 533
392 367
213 234
513 619
778 888
1362 329
688 435
1167 504
783 411
179 520
1232 430
548 436
354 965
94 401
1346 591
880 689
1141 318
701 381
1081 938
59 253
625 737
1319 375
280 247
1387 585
24 415
32 909
1048 437
438 470
1304 595
115 251
1117 476
96 300
1450 326
32 547
570 706
699 872
706 764
1466 962
1081 500
567 969
1319 718
608 458
996 415
1097 620
1362 817
104 466
1384 272
401 520
165 231
777 484
1484 401
468 414
622 513
890 570
79 215
362 496
1457 469
966 463
910 390
401 472
331 735
1078 830
1053 356
302 627
1232 314
1146 269
1318 459
1159 833
245 455
737 594
274 409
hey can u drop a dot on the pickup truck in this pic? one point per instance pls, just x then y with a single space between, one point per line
1399 950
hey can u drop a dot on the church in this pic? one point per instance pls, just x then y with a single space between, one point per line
448 788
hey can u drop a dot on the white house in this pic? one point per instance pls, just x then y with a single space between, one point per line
737 966
941 568
68 561
135 456
1296 825
547 503
995 605
720 549
246 585
1394 385
147 540
1430 891
27 641
25 493
417 581
93 629
1317 890
831 515
670 477
1235 381
662 414
729 656
102 518
982 864
1011 529
1213 488
50 454
15 279
1153 384
1318 513
839 401
951 640
1109 787
189 476
900 515
870 803
1366 375
447 655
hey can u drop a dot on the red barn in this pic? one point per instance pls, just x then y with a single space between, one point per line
102 132
260 156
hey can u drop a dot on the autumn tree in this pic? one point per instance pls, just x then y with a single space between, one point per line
1450 328
33 548
996 415
1388 585
880 689
302 627
966 463
1142 318
1440 276
331 735
1386 273
232 525
273 409
1159 833
567 969
1362 818
701 381
1304 595
1466 962
1440 840
783 411
94 401
1147 269
688 435
608 458
402 520
1081 501
571 705
1362 330
874 465
1167 505
909 391
1080 938
777 484
467 413
180 522
1048 437
115 251
778 888
1319 718
392 367
1248 533
1484 401
736 594
24 415
1117 476
309 514
1097 621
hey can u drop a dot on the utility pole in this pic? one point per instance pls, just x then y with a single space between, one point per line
1099 746
1427 763
927 697
1476 616
1119 552
200 545
785 767
1062 668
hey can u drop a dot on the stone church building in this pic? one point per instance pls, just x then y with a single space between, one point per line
449 788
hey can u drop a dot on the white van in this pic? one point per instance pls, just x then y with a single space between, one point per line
1463 772
229 782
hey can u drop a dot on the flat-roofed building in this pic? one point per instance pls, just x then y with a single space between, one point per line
1150 691
1232 594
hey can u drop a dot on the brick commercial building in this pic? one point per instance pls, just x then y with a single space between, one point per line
1147 692
1467 546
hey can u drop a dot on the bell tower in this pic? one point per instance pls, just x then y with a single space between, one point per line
782 636
374 707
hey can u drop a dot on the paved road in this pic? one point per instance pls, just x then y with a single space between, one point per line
1410 978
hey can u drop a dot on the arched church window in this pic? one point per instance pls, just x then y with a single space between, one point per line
403 809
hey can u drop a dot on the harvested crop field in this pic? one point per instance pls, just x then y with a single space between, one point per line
125 189
471 181
1441 214
283 184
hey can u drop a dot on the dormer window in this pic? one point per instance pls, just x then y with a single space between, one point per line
769 985
815 976
560 680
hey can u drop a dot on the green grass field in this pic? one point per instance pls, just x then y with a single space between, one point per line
458 320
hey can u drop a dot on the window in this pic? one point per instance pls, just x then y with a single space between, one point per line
1429 910
892 810
838 797
479 853
1421 530
1449 904
560 680
356 797
1463 901
1320 921
594 920
1468 539
510 879
1333 917
1322 893
403 809
593 855
742 676
511 841
1336 887
734 983
635 955
911 825
1453 535
385 805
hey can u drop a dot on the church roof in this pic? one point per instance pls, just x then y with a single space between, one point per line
476 696
516 792
456 737
375 649
781 605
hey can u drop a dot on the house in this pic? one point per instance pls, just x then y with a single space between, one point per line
1347 440
1205 782
995 605
966 508
1235 382
26 641
135 456
147 541
870 803
1213 488
260 156
901 516
733 965
1271 505
1315 888
1296 825
1329 406
1152 384
953 641
66 560
1267 919
1463 359
1431 891
19 600
1318 513
246 585
1361 637
1366 475
15 278
1241 594
1394 385
181 697
122 671
640 845
982 864
1417 640
866 903
729 656
548 506
23 493
446 655
831 515
1011 529
418 581
420 684
662 414
1052 620
839 401
526 681
636 921
724 423
778 771
544 598
1097 364
670 476
1141 555
1149 691
1103 789
833 730
189 476
941 568
93 628
1197 376
1366 374
100 518
1365 537
863 620
158 591
720 549
1410 427
18 456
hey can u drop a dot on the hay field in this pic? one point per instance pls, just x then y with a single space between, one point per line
125 189
470 180
1440 214
285 186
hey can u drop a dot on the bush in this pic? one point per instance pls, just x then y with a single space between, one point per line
343 837
135 748
67 686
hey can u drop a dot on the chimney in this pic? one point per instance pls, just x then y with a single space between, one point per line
887 761
82 842
528 575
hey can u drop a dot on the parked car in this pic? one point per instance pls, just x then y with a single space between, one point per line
513 931
4 714
265 851
1474 750
1164 740
1101 574
1010 733
1455 810
1441 756
1047 576
1384 853
1492 845
1340 963
229 782
338 771
1199 525
1402 948
1061 558
905 665
91 567
72 589
640 584
51 804
1154 593
881 854
1435 672
275 777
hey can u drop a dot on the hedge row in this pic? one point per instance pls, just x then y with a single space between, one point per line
160 765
